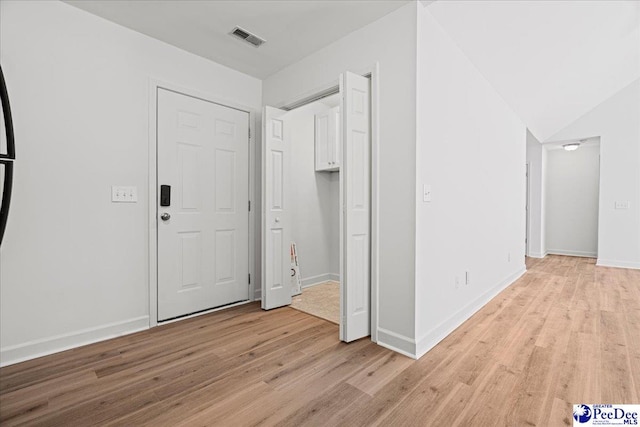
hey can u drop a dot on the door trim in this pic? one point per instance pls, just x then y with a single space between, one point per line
527 233
373 73
154 85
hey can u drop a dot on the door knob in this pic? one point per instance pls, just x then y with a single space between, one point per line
277 219
165 216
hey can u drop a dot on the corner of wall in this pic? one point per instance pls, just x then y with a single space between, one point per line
398 343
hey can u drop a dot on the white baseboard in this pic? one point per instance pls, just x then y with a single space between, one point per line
537 255
564 252
618 264
396 342
320 278
437 334
45 346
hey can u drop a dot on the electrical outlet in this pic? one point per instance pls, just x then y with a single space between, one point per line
467 279
426 193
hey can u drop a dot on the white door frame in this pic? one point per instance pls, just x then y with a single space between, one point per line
374 75
154 85
527 234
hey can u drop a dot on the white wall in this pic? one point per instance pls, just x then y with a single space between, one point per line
390 41
315 220
617 122
471 150
536 200
571 202
74 266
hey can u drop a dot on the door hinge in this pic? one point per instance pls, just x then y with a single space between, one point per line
249 205
249 133
249 278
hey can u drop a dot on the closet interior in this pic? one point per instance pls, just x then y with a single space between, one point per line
315 192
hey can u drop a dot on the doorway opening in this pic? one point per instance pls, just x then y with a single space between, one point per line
572 197
351 155
315 213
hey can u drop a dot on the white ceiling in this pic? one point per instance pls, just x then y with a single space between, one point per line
552 61
293 29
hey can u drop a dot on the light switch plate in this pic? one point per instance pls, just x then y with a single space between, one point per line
426 193
623 205
124 194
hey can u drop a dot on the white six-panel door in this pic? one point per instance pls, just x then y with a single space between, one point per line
355 189
276 226
203 250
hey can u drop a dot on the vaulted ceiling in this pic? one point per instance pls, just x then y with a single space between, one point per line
552 61
293 29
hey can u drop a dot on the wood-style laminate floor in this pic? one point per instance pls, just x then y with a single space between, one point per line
566 332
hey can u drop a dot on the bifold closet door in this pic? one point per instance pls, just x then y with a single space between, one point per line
276 202
355 186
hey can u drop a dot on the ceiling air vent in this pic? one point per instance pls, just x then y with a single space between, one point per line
247 36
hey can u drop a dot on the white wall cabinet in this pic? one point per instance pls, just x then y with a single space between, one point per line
327 140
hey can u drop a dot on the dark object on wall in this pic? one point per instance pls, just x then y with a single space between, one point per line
6 159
